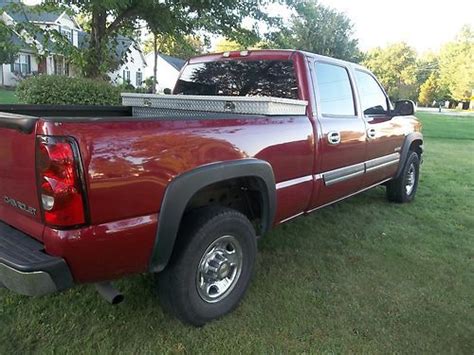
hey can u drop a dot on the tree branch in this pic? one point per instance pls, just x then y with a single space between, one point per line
128 13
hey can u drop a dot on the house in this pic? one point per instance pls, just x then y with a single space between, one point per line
30 61
132 71
167 72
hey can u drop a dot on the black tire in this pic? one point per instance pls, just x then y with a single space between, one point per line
177 285
403 189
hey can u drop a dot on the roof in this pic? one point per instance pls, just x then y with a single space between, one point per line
121 45
269 54
19 42
28 13
177 63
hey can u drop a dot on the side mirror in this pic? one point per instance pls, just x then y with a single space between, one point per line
167 91
404 108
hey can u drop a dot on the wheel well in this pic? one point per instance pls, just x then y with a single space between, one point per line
415 146
243 194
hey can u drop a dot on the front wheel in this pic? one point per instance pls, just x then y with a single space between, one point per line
211 266
403 189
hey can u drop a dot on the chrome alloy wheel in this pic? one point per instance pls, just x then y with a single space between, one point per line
219 269
411 178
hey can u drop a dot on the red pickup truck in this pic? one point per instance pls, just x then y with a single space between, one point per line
92 194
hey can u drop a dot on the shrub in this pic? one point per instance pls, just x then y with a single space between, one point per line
129 88
63 90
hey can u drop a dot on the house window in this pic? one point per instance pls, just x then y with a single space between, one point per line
61 66
126 76
139 79
22 64
66 32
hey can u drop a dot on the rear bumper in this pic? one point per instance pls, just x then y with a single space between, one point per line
26 269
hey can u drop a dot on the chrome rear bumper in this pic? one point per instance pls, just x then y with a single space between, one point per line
26 269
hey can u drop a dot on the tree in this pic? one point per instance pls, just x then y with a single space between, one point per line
319 29
430 90
8 49
396 68
226 45
456 65
109 18
179 46
183 47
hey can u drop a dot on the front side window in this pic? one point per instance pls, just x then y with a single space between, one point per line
372 98
239 78
335 90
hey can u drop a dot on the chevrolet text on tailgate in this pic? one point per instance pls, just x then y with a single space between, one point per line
254 139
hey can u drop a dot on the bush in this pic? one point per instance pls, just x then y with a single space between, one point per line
63 90
129 88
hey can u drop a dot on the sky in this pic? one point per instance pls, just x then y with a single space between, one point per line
423 24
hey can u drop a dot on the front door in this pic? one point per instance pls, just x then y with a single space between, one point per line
384 132
42 66
342 145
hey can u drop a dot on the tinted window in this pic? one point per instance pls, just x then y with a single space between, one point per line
372 98
335 90
239 78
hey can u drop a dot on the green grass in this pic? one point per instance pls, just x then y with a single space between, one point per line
7 97
361 276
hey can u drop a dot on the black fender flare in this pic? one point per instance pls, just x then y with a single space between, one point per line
409 139
182 188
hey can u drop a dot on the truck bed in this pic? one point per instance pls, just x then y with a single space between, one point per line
23 117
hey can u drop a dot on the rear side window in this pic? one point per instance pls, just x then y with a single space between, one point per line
335 90
372 98
239 78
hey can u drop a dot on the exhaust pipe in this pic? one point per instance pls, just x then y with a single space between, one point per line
109 292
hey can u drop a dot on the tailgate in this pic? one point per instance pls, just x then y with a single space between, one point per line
19 205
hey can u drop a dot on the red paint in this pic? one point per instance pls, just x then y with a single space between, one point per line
105 251
129 164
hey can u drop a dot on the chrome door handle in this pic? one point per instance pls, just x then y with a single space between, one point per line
371 133
334 137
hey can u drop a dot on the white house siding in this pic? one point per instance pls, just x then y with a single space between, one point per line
166 74
7 78
134 64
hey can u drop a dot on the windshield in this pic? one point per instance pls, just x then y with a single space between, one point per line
239 78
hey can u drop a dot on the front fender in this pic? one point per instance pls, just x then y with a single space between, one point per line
409 139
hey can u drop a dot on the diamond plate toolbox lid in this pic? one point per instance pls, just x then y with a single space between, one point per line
226 104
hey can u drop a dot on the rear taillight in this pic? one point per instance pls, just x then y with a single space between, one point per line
60 182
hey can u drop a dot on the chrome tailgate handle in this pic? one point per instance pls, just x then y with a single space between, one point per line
334 137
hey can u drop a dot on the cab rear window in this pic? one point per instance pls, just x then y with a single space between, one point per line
239 78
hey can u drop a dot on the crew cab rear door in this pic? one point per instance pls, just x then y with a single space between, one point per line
342 139
384 132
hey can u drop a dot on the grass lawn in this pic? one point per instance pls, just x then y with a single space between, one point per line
7 97
361 276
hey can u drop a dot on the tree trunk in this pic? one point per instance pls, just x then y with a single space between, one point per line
98 36
155 64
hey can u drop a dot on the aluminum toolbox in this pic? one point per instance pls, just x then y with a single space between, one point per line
145 104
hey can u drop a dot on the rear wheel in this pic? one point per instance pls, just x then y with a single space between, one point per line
211 266
403 189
